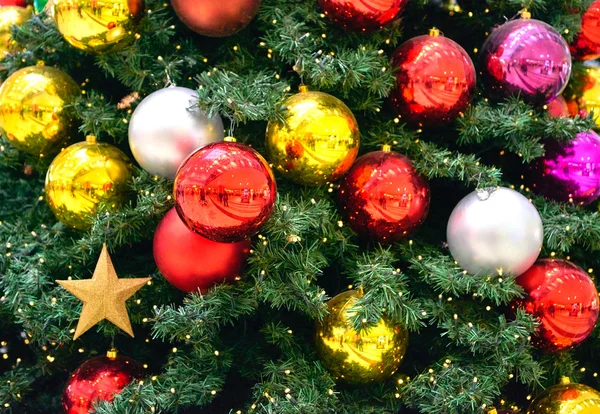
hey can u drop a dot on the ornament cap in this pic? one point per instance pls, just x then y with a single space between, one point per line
386 148
565 380
434 31
91 139
229 139
303 88
112 353
525 14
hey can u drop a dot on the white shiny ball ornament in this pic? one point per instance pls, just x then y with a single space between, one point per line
495 231
164 129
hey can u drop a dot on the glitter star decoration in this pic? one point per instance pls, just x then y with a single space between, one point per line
103 296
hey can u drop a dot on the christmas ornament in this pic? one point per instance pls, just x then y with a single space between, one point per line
9 3
526 57
586 45
216 18
103 296
495 411
382 197
566 398
10 16
362 15
558 108
189 261
590 99
567 171
495 231
163 131
84 176
564 299
32 109
98 379
358 357
316 141
43 6
97 26
225 191
435 80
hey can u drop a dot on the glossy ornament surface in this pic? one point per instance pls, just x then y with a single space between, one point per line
568 171
215 18
525 57
99 378
316 142
18 3
362 15
9 16
85 175
435 80
164 130
564 299
558 108
189 261
225 192
32 109
382 197
566 398
586 45
98 26
590 99
358 358
495 231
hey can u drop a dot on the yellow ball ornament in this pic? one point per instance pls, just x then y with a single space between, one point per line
590 100
317 140
566 398
32 109
9 16
97 26
84 176
358 358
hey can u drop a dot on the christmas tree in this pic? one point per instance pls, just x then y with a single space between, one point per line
299 206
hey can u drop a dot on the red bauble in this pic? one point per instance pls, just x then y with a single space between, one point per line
362 15
99 378
189 261
435 80
216 18
558 108
19 3
586 45
565 300
382 197
225 192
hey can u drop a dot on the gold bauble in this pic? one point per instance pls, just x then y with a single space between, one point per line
358 358
98 26
85 175
32 109
9 16
317 140
590 100
566 398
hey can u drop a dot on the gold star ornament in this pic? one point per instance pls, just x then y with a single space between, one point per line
103 296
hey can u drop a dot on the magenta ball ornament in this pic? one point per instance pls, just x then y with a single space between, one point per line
528 58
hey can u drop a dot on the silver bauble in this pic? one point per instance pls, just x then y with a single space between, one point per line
495 231
164 130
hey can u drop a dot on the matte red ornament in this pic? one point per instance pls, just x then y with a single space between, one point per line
586 45
362 15
99 378
225 192
435 80
216 18
382 197
564 299
189 261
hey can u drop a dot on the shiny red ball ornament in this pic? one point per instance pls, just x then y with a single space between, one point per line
189 261
564 299
558 108
362 15
99 378
435 80
586 45
19 3
216 18
225 192
382 197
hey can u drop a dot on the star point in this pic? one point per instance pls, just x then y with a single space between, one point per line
103 296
